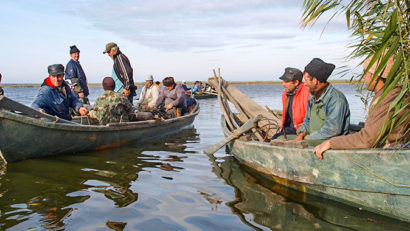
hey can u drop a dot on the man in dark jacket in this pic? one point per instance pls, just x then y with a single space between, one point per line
122 71
55 96
75 73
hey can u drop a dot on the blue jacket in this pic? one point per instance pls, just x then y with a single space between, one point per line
54 102
74 70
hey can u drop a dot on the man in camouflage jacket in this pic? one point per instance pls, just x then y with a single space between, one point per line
111 107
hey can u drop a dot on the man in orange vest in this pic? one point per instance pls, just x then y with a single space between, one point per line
294 102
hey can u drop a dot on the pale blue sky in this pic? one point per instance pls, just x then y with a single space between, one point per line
248 40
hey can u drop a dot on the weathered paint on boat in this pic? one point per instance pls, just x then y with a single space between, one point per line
23 137
203 96
338 175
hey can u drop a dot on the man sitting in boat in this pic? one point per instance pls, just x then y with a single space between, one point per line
186 88
367 137
328 113
294 101
1 89
149 94
173 98
111 107
55 96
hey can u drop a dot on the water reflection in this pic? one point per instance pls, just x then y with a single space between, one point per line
43 193
279 208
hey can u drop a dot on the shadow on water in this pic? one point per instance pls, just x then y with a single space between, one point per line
40 193
279 208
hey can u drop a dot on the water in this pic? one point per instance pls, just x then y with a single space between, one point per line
168 185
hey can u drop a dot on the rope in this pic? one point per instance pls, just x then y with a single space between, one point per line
374 174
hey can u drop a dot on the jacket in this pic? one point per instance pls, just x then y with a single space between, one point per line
55 102
149 96
74 70
123 70
176 97
299 105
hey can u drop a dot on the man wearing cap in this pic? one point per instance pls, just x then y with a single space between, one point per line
55 96
149 94
327 113
75 73
367 136
294 101
122 71
172 96
111 107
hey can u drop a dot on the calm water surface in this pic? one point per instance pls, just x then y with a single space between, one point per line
168 185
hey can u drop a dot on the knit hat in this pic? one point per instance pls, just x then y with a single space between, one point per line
74 49
56 69
292 74
320 70
168 81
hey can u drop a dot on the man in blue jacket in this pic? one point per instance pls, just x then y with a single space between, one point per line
55 96
75 73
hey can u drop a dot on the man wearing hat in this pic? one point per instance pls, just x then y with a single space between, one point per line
122 71
294 101
75 73
172 96
55 96
327 113
367 136
149 93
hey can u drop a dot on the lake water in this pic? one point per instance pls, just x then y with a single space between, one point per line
168 185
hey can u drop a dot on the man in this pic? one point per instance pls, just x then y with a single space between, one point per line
367 137
294 101
149 94
327 113
1 89
173 96
55 96
75 73
122 71
186 88
111 107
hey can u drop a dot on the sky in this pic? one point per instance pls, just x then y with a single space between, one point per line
249 40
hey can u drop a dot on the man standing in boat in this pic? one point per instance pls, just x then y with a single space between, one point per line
367 136
327 113
75 73
294 101
55 96
149 94
173 98
122 71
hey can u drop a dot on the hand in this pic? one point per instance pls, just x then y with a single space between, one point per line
83 111
169 107
126 92
138 104
301 136
321 148
80 95
145 107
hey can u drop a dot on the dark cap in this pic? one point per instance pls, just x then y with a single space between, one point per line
292 74
109 46
74 49
320 70
56 69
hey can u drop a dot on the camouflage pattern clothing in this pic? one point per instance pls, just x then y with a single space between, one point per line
112 107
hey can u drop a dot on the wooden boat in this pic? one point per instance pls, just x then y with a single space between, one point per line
204 95
23 137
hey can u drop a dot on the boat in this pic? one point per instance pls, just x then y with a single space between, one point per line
376 180
202 95
23 136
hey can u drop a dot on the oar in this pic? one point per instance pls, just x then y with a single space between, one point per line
15 106
235 134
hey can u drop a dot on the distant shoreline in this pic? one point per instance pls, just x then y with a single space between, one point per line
22 85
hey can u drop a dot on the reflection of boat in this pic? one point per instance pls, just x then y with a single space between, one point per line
23 137
278 207
373 179
203 95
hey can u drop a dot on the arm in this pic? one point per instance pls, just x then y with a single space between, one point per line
180 96
155 95
304 128
142 96
126 70
160 98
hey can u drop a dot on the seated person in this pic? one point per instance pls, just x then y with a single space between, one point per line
186 88
111 107
327 113
157 85
294 101
173 97
195 88
1 89
368 136
149 94
55 96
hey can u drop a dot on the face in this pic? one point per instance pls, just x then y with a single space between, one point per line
310 83
148 83
57 80
170 87
290 86
111 53
75 56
